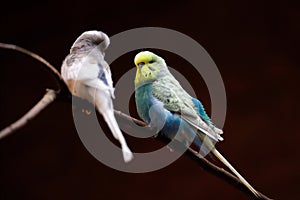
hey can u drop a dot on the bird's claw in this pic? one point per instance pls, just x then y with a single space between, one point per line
170 149
86 111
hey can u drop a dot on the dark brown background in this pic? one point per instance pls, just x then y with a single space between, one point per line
255 46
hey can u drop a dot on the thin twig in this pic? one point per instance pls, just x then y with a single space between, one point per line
48 98
127 117
51 95
55 73
209 166
223 174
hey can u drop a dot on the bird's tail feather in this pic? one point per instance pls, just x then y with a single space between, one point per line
113 126
225 162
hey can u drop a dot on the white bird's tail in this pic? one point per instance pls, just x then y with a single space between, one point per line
104 105
225 162
114 128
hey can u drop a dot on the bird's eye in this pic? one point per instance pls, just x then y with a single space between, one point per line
151 61
141 64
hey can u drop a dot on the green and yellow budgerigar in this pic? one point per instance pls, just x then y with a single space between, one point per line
162 102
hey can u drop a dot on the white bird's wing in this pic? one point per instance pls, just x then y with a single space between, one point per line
81 70
91 71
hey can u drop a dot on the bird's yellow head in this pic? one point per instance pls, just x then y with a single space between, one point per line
149 67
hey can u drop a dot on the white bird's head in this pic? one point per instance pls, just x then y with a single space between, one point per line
89 40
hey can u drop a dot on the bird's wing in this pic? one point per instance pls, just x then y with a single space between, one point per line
105 76
90 70
196 104
105 72
81 69
201 112
176 99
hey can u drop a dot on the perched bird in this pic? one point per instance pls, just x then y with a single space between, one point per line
88 76
162 102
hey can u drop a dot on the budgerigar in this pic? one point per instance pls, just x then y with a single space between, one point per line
162 102
88 76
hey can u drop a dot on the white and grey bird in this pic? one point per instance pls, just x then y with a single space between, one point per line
88 76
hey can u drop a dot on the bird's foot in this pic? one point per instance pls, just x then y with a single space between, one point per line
170 149
86 111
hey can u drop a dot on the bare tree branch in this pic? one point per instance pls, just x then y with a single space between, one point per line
63 93
127 117
204 163
48 98
222 174
55 73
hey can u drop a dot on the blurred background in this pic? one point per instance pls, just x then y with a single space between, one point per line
255 46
